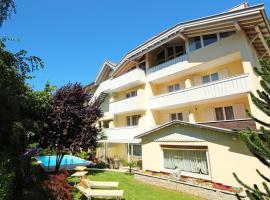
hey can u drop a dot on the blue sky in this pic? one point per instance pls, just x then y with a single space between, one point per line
75 37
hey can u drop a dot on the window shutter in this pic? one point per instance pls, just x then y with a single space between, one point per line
224 73
197 80
239 111
185 116
209 114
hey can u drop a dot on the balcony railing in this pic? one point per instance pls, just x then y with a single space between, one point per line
127 105
122 133
167 64
202 93
127 80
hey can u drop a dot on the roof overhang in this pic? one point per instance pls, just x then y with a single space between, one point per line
182 123
247 18
105 65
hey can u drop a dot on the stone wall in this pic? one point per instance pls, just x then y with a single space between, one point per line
200 191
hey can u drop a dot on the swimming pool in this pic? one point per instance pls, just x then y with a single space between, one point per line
68 162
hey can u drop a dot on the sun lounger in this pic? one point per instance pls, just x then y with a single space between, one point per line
94 193
99 184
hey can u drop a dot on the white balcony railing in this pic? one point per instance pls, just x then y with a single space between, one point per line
168 68
127 80
122 133
167 64
103 87
202 93
132 104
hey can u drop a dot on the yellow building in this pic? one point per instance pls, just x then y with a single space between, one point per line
177 99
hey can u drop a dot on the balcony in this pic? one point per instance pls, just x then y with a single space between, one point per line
122 134
128 80
237 124
103 87
236 86
165 70
132 104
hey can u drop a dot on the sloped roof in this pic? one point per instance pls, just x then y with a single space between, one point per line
237 12
223 130
106 64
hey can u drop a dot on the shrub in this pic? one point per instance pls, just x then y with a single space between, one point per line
100 165
57 187
83 155
6 183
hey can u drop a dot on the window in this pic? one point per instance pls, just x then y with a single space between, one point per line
133 120
194 161
106 123
179 50
209 39
211 77
170 51
229 112
177 116
142 66
219 114
194 43
172 88
135 150
224 113
131 94
161 57
226 34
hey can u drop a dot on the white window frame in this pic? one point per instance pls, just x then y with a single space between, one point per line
132 150
210 77
190 174
131 120
224 114
130 94
173 87
177 116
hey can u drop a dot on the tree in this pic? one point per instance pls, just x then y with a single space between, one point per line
6 8
16 114
72 122
259 142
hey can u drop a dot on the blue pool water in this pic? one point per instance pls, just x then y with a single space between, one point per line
67 160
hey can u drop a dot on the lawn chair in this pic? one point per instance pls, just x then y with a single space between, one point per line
93 193
99 184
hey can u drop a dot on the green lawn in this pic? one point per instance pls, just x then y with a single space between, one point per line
135 190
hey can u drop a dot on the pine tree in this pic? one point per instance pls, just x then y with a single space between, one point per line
258 142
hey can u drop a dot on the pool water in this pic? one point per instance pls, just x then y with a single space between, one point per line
67 160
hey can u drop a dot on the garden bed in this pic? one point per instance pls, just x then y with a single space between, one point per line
199 187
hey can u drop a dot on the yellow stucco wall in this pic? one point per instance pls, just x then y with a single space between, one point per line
227 154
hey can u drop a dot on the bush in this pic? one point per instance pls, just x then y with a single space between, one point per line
6 183
100 165
57 187
83 155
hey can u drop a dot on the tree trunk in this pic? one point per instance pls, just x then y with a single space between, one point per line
59 157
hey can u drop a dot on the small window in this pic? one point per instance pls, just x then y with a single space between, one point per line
194 43
170 52
179 50
133 120
172 88
131 94
161 57
106 123
226 34
219 114
209 39
135 150
229 112
177 116
210 78
206 79
214 77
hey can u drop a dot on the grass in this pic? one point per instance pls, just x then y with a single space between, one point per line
133 189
